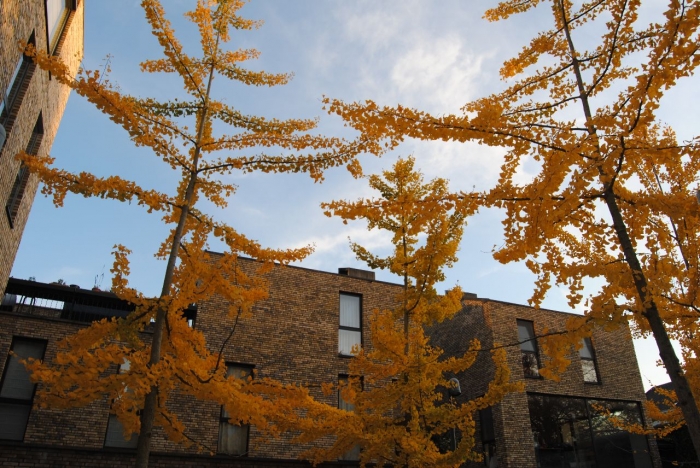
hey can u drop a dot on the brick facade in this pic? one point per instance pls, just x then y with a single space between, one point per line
41 95
494 323
293 337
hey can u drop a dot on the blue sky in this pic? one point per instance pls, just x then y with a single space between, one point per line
430 55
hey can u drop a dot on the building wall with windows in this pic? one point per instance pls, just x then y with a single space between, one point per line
304 332
31 102
551 423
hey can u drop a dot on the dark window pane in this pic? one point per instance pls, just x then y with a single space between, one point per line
16 388
115 435
13 420
561 432
614 446
16 383
586 351
526 336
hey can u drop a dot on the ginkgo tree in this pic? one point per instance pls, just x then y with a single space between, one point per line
183 133
396 410
612 197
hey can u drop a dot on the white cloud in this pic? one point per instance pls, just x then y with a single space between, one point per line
438 74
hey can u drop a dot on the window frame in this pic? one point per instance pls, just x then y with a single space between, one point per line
61 24
20 401
112 419
526 354
354 453
347 328
14 201
13 96
224 420
592 359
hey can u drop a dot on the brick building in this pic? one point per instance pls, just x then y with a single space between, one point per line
303 333
551 424
31 102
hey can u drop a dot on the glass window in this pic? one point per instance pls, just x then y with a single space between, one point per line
575 432
57 12
20 185
233 438
488 437
13 96
353 453
6 94
615 447
350 329
528 348
16 388
588 362
115 436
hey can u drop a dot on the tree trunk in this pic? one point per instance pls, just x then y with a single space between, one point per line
143 449
686 401
668 356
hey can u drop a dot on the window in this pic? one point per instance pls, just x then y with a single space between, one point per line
588 362
571 431
16 389
488 436
350 329
343 381
528 349
20 185
58 14
233 438
13 95
115 429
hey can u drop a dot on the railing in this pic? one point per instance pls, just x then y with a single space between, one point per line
61 301
69 302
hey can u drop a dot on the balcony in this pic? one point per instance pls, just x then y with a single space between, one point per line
61 301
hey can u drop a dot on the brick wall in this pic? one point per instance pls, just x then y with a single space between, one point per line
43 95
494 322
292 337
35 456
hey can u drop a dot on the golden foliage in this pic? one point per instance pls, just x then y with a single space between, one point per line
398 386
175 358
613 197
614 193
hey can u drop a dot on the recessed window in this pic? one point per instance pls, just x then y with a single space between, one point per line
528 349
16 389
22 178
588 362
58 13
115 436
13 96
343 381
233 438
569 431
350 329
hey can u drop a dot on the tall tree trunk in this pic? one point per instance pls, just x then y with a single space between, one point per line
686 401
150 405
